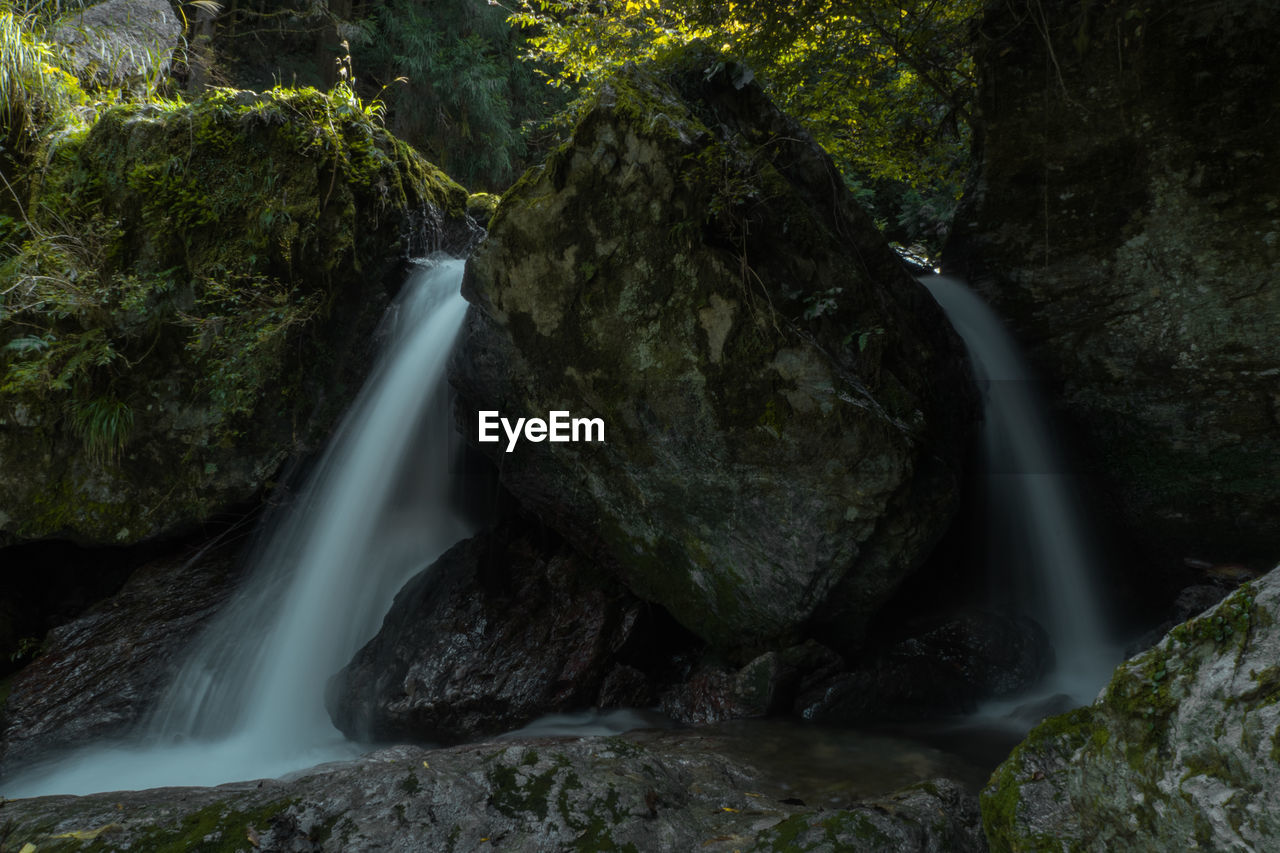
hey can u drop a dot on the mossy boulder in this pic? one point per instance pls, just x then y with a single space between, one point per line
784 407
1182 748
1125 220
192 300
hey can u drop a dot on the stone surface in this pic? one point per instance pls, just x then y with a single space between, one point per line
120 42
98 675
1181 749
1126 222
784 407
505 627
620 793
194 302
769 684
945 669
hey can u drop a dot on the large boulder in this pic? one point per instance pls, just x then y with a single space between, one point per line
505 627
784 408
97 676
1126 221
120 42
1182 746
193 302
620 793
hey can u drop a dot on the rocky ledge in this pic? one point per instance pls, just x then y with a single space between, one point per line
635 792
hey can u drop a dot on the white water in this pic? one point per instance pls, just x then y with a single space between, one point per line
1038 534
250 701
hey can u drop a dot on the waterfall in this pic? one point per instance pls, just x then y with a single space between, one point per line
249 702
1038 537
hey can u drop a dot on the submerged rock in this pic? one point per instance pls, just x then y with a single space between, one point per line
784 408
193 301
618 793
505 627
1126 222
97 676
1180 748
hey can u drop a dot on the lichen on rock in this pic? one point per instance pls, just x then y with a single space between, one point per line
784 407
1180 746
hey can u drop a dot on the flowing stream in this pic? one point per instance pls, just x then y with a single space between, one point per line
249 702
1038 536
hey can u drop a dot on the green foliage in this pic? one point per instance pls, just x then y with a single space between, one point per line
103 424
34 91
884 86
118 251
25 650
447 73
467 101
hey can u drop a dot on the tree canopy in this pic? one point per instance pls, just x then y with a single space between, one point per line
884 86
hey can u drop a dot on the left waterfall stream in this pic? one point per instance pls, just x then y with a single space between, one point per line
378 507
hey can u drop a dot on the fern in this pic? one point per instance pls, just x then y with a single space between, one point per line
103 424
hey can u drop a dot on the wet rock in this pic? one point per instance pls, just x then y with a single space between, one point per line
714 691
929 816
98 675
619 793
504 627
784 408
1180 746
120 43
1125 221
947 669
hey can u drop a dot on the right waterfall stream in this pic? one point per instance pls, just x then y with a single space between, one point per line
1038 536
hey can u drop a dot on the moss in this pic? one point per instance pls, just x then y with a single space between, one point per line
601 818
1266 689
133 296
321 832
410 783
1000 800
834 831
782 836
217 828
515 798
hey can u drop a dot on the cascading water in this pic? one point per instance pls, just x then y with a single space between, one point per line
1037 526
250 701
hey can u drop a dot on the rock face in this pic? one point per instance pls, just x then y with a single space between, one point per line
120 42
783 406
619 793
193 302
505 627
1126 222
98 675
943 670
1181 747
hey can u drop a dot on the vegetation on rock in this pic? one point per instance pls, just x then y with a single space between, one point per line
1178 746
884 87
180 286
684 268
